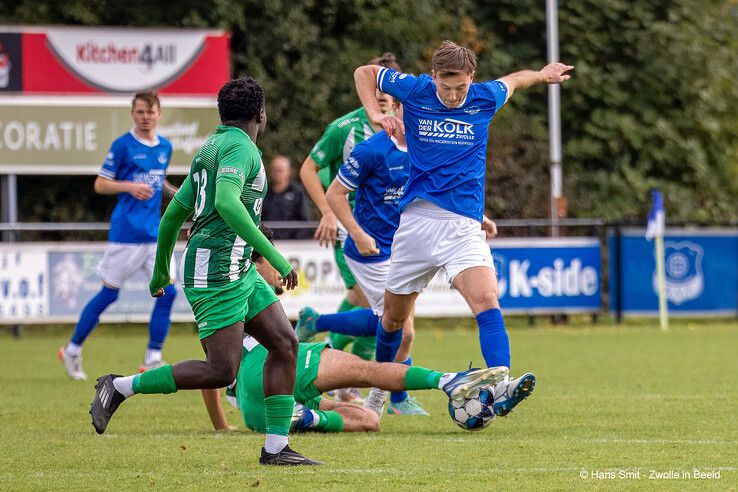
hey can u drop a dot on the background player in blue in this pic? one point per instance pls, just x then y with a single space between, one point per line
446 117
134 169
377 171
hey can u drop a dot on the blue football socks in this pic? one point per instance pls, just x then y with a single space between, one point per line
398 396
90 316
358 323
160 318
388 343
493 338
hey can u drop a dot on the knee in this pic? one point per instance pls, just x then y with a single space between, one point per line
224 373
285 344
482 301
392 320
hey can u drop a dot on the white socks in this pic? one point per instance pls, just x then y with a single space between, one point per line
274 443
124 385
446 378
72 349
152 356
316 418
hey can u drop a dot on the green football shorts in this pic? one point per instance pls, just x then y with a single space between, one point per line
218 307
250 382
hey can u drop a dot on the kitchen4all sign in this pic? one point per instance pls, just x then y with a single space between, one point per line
93 60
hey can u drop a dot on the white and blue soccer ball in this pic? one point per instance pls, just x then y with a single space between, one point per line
474 412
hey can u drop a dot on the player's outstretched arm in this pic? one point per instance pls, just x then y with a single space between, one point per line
336 197
553 73
169 227
211 398
229 206
328 227
366 84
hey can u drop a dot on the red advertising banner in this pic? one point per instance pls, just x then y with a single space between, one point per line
78 60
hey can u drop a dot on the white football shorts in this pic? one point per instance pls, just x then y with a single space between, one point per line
120 261
372 278
430 239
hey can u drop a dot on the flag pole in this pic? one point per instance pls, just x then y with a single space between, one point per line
661 280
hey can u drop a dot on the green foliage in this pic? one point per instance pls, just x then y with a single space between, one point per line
651 104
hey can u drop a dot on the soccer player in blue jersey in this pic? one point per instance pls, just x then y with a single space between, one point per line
134 170
442 225
376 170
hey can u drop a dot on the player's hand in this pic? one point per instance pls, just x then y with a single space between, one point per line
555 73
327 230
290 280
141 191
159 281
391 124
366 244
227 428
489 227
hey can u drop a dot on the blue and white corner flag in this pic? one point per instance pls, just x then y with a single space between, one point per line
656 218
655 230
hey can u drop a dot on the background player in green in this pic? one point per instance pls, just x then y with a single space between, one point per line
317 173
225 189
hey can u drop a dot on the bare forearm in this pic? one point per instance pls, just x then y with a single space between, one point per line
313 187
366 84
553 73
104 186
336 197
523 79
211 397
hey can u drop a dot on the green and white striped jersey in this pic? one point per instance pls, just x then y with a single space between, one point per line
215 254
337 142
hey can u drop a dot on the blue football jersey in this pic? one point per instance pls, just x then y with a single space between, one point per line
132 159
377 170
447 146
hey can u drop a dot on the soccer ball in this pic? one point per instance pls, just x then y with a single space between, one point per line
475 412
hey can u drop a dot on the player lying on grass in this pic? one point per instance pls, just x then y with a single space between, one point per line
321 369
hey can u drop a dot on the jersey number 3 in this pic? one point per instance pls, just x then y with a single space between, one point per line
201 181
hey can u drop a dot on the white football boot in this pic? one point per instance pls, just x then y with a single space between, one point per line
73 365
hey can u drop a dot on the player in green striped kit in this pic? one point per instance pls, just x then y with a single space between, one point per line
224 191
317 173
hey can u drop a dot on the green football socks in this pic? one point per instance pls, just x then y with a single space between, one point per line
159 380
330 421
420 378
278 412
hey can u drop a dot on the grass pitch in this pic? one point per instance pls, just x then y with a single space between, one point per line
614 407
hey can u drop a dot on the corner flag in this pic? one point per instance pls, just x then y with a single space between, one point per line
656 217
655 230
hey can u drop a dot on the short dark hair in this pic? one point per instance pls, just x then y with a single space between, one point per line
453 59
149 97
387 60
255 255
240 100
